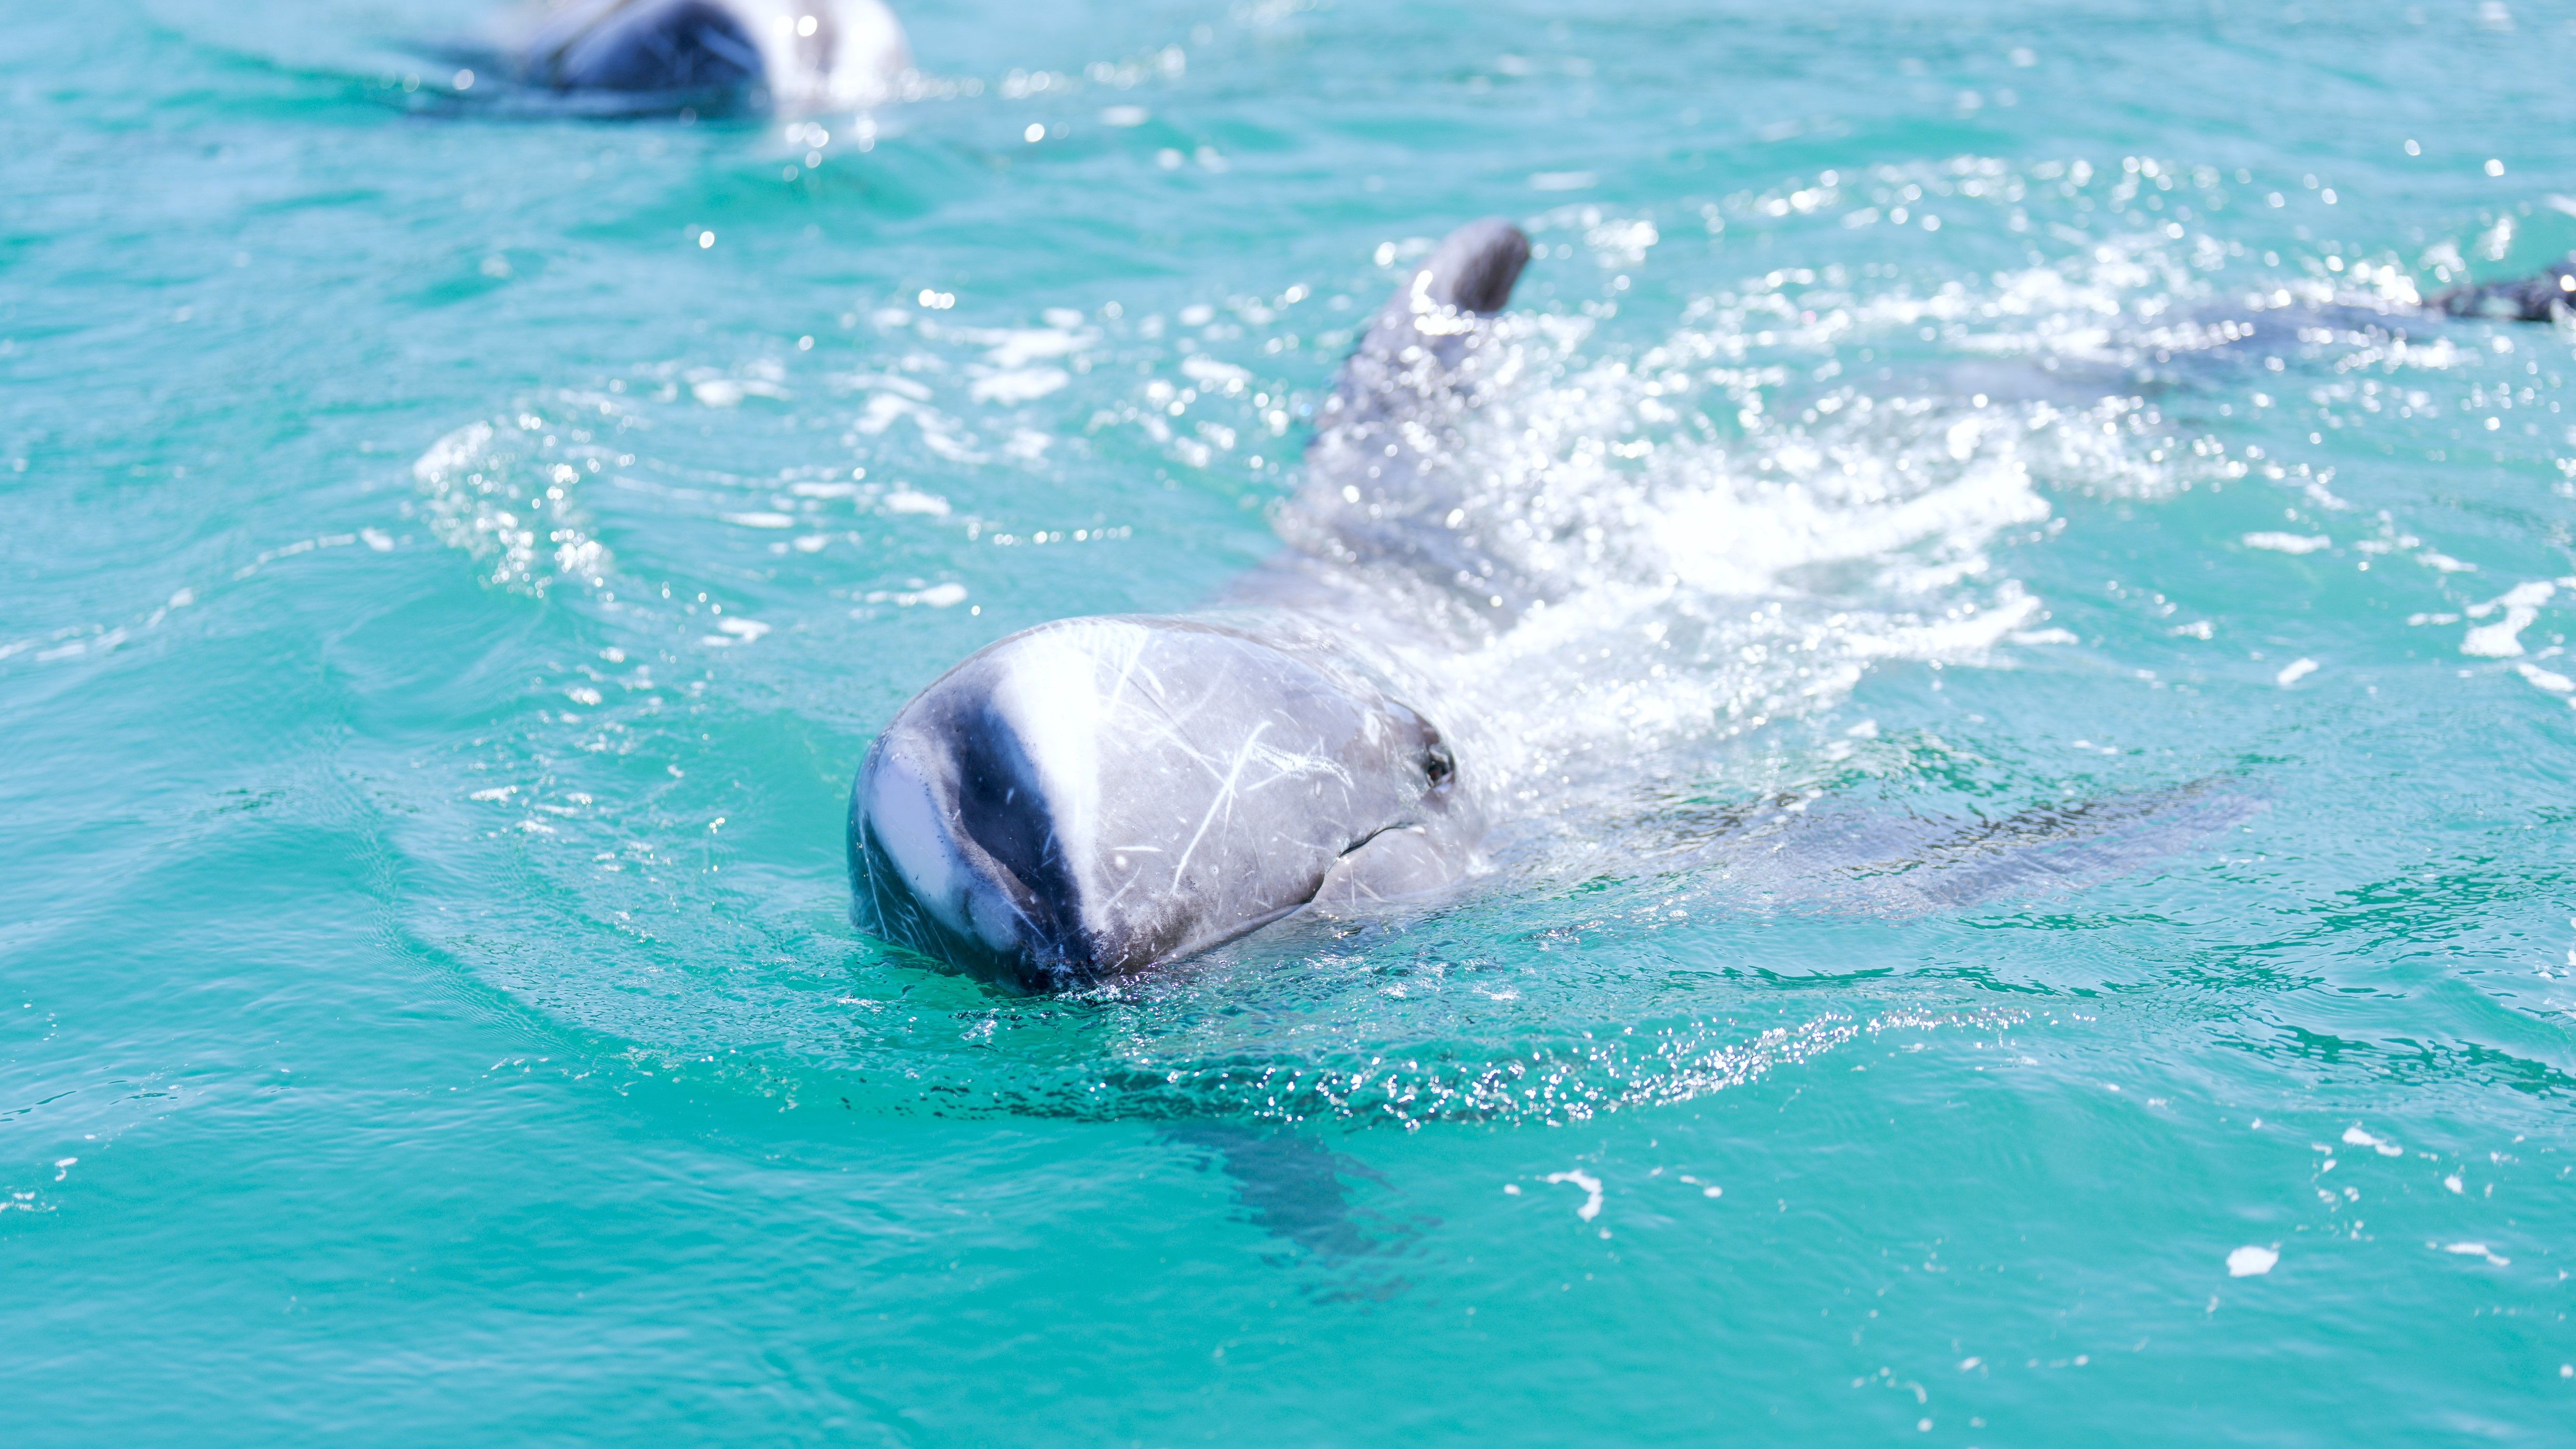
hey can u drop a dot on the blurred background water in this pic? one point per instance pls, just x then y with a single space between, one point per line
2035 905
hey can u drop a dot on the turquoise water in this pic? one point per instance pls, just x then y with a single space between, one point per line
2022 805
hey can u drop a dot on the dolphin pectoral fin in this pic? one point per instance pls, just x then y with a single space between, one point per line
1390 865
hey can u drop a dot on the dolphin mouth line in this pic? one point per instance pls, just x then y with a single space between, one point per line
1235 931
1356 846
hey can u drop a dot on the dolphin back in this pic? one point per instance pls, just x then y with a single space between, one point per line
1385 502
2525 299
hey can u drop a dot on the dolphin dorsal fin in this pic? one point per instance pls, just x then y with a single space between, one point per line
1467 277
1474 268
1413 346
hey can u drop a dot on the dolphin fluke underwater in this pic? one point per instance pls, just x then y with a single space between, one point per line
1095 796
790 56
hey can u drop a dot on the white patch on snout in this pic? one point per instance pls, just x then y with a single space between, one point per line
1060 692
921 839
862 67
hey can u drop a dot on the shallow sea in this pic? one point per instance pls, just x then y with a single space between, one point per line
2031 899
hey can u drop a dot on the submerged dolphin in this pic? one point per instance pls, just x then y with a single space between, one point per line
792 56
2525 299
1095 796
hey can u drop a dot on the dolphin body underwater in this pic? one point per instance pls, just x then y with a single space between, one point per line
1094 796
2525 299
792 57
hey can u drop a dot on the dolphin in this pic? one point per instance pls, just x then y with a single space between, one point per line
789 56
1096 796
2524 299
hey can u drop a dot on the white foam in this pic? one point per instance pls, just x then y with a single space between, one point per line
1018 385
2252 1261
493 493
1591 1189
1768 572
907 500
735 631
1207 371
2502 639
2288 542
1016 347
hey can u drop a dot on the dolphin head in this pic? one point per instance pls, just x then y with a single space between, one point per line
799 56
1094 796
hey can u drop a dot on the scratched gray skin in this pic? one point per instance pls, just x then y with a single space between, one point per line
1095 796
793 57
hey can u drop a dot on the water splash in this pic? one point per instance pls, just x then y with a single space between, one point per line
1717 529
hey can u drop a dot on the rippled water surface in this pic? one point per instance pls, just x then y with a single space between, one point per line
2030 896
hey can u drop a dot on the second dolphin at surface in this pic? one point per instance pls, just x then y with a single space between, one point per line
794 57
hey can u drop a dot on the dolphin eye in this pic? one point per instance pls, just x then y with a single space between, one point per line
1436 764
